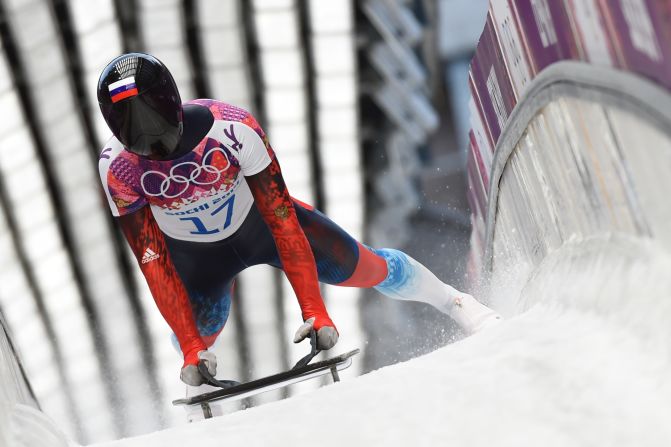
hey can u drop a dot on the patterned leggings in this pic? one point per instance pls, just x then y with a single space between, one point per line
208 270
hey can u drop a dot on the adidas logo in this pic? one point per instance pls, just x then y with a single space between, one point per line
149 255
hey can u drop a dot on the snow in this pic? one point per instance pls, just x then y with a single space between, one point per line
533 380
585 362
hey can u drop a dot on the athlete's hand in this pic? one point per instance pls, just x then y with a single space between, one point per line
190 374
327 334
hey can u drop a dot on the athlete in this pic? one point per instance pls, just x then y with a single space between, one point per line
199 194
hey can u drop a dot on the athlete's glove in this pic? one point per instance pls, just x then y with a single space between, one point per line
190 374
327 334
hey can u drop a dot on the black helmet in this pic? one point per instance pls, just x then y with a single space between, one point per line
140 103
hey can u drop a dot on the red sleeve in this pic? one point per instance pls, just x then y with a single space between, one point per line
148 244
273 201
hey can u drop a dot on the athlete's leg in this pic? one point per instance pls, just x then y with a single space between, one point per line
207 271
340 259
210 310
343 261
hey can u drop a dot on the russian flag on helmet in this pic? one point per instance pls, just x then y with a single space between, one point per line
125 88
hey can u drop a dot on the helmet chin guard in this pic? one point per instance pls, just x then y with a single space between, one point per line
141 105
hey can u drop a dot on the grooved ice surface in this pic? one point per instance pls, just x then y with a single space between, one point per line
586 364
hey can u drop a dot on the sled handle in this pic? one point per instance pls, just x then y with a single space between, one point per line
209 378
314 351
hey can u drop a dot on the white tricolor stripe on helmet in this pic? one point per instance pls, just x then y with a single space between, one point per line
122 83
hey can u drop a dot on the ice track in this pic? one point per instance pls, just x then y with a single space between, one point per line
588 369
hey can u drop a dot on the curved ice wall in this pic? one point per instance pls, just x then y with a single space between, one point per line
22 424
570 117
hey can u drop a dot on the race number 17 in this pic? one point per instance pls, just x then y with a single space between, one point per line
200 226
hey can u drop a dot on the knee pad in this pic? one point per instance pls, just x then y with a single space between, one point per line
400 272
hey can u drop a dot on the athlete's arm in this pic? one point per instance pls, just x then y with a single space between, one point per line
273 201
142 232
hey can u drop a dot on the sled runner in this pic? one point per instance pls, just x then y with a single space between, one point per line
303 370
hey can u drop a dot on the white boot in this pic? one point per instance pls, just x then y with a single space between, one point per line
470 314
407 279
196 413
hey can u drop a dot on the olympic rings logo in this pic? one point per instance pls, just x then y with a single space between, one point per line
173 178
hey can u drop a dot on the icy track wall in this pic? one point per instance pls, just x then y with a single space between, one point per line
22 424
570 116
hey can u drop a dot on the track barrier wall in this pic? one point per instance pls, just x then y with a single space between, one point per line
570 128
22 424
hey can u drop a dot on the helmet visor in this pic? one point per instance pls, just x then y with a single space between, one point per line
148 122
149 125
